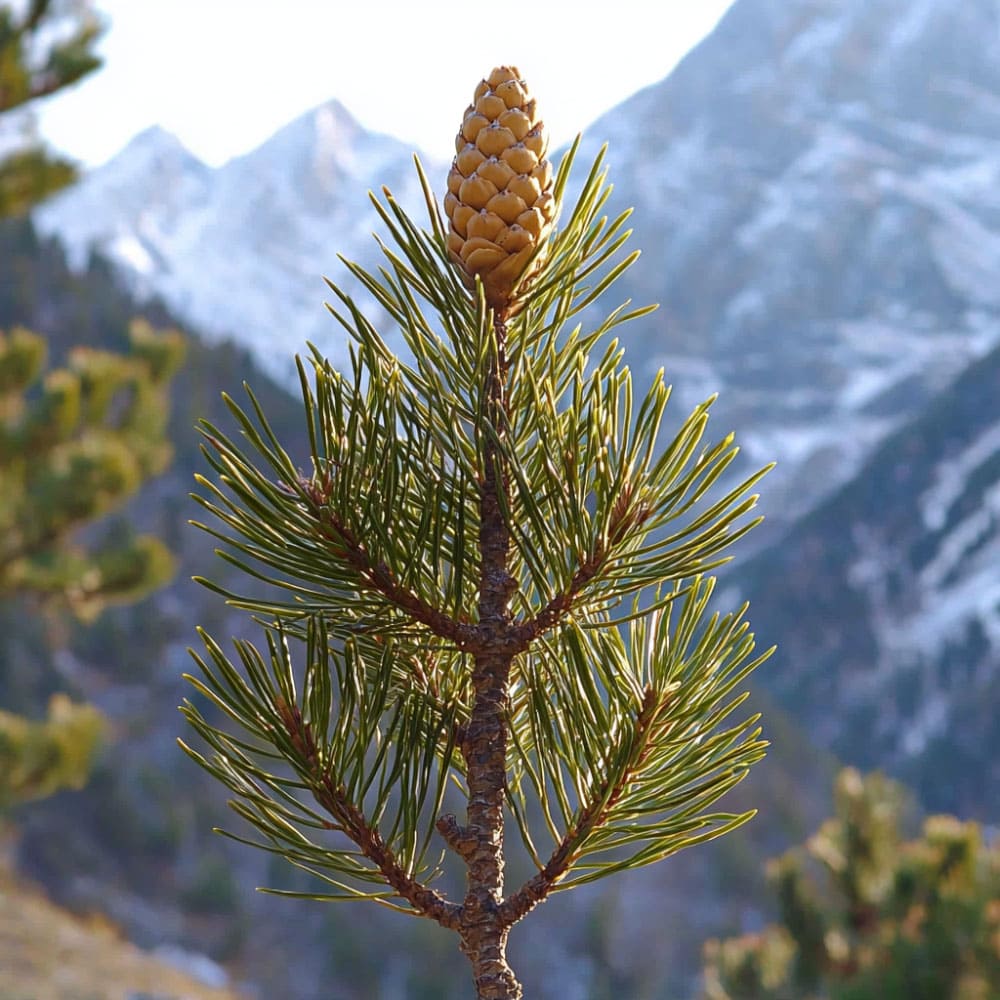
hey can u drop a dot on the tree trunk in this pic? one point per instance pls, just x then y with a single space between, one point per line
483 934
485 942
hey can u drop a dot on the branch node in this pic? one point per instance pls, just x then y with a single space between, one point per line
456 836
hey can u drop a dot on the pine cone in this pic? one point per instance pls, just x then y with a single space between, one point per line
499 201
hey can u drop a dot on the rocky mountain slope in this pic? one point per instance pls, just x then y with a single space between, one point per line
817 184
816 191
49 954
886 604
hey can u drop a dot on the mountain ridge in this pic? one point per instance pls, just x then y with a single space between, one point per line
815 191
239 250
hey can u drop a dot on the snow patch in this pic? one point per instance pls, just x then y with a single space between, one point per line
950 478
931 720
198 966
962 541
129 249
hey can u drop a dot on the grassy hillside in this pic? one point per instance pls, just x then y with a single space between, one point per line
47 953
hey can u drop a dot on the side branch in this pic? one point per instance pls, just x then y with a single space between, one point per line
456 836
526 632
351 821
592 816
627 515
379 577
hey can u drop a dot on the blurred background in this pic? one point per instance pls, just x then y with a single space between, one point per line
816 187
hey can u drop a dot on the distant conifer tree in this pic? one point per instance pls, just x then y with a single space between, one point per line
866 914
77 441
45 46
39 758
490 578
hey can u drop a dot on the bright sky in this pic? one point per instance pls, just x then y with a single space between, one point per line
223 75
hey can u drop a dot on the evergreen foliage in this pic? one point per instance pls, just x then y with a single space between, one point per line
76 441
489 583
72 450
39 758
866 914
44 48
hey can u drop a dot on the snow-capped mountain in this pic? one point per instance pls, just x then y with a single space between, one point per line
240 251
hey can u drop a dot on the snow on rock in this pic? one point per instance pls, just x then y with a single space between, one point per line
816 200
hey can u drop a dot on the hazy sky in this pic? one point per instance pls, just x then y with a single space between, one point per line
223 75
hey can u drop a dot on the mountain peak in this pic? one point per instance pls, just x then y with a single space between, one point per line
333 109
155 141
326 140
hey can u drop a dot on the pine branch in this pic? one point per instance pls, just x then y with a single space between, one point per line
456 836
604 797
351 821
482 568
379 577
625 518
44 85
67 59
559 606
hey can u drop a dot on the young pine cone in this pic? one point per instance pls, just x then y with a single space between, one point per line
499 201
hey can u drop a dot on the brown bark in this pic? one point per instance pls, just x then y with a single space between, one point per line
483 933
379 577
